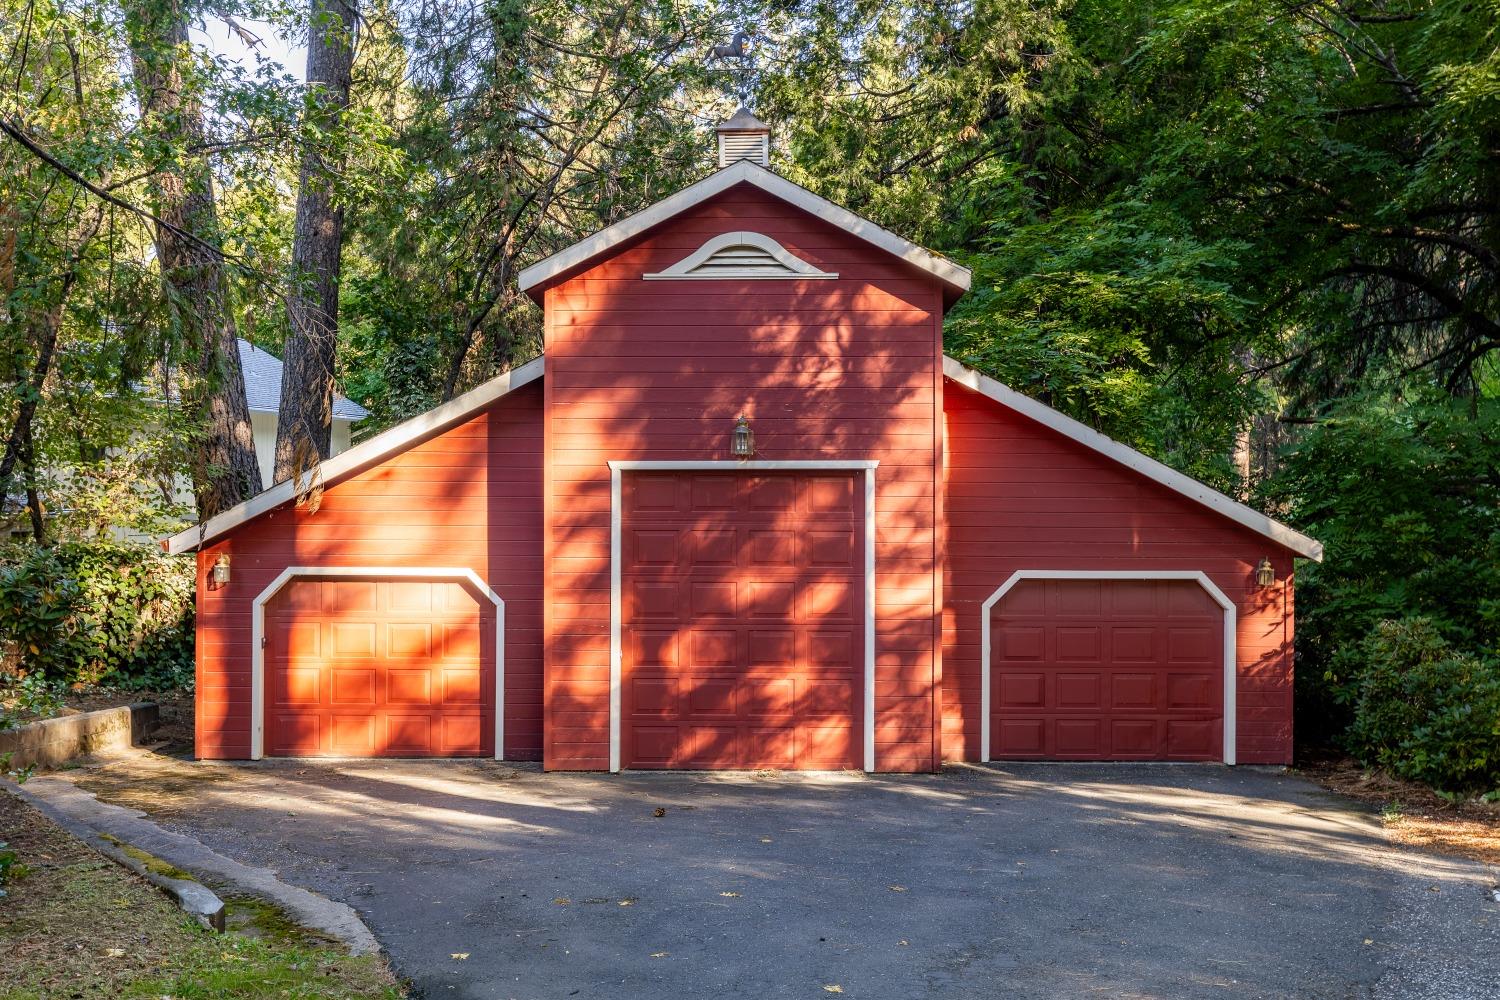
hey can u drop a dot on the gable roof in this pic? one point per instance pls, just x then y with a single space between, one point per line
1149 467
263 384
461 408
361 456
541 275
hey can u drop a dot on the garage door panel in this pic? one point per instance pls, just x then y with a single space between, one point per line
295 734
764 602
352 735
1078 691
1133 691
379 668
709 697
1152 691
1134 737
1019 738
352 686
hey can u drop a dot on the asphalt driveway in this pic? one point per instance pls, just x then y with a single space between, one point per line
484 881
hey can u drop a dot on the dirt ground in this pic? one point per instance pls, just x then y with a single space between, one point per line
1413 814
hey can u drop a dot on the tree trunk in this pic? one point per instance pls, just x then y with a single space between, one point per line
304 425
224 468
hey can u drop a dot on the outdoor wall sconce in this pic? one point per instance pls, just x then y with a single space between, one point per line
1265 573
220 572
742 444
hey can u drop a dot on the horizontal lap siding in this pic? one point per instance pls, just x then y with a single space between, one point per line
1021 496
468 498
841 369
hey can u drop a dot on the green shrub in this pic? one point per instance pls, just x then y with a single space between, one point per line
98 612
1426 710
1405 497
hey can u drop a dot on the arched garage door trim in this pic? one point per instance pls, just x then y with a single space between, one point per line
1196 576
258 635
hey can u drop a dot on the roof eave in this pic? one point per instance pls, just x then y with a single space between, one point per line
361 456
1287 537
537 278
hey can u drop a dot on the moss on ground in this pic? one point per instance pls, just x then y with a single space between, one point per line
79 926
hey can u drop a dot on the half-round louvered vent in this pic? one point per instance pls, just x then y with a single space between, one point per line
740 255
742 258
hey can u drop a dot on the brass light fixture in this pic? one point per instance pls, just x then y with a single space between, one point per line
742 443
220 572
1265 573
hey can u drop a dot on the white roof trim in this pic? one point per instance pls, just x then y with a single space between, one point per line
1125 455
743 172
362 455
687 268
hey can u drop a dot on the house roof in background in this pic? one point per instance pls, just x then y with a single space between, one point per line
361 456
263 384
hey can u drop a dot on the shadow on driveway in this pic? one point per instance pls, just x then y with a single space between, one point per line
999 881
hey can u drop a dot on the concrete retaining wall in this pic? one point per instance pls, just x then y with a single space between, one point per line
56 741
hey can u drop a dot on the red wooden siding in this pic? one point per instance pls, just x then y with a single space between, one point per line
831 369
467 498
1021 496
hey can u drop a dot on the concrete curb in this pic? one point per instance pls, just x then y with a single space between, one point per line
112 829
51 742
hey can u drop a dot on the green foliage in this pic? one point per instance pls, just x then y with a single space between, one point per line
1398 630
8 860
31 696
1427 711
98 612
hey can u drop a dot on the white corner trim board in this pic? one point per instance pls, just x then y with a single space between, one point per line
1196 576
362 455
725 257
258 634
1173 480
616 478
744 172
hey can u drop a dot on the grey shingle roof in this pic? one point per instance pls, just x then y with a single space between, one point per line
263 384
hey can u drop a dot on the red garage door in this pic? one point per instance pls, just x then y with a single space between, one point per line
379 668
741 632
1107 670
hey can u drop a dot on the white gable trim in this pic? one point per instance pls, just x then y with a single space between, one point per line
1127 456
685 269
361 456
744 172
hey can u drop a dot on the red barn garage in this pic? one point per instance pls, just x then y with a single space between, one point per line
744 513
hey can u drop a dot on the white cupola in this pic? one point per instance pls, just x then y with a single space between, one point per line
744 137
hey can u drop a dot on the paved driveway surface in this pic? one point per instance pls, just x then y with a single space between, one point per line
1014 881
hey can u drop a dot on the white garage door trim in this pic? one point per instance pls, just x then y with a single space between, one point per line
1196 576
616 478
258 635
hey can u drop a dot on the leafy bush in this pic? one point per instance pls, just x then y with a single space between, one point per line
1406 500
98 612
32 696
1427 711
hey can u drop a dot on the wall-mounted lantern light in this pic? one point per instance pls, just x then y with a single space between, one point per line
742 444
1265 573
220 572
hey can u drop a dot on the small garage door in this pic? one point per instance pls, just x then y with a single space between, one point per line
379 668
1107 670
741 620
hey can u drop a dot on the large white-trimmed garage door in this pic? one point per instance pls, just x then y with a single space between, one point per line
376 666
742 618
1106 669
